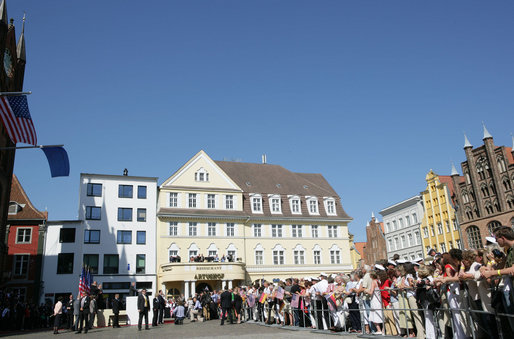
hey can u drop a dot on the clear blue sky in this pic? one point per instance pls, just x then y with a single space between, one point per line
372 94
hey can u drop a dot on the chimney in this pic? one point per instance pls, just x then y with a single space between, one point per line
264 159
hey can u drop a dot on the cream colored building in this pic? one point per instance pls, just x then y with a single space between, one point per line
274 223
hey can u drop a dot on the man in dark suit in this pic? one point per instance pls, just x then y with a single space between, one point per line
116 305
226 306
83 312
69 312
162 305
143 305
155 307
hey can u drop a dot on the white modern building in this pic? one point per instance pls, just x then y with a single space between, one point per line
402 228
114 235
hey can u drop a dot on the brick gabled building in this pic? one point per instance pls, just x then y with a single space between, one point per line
484 195
375 248
25 234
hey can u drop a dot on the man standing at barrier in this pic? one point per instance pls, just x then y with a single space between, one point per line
505 238
143 305
116 306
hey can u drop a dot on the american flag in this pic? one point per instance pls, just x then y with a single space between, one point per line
15 115
85 281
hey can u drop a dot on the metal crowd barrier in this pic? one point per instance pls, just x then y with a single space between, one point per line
316 313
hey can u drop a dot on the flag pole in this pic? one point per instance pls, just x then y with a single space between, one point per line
14 93
25 147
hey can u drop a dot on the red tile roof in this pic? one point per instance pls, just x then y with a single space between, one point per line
359 246
28 211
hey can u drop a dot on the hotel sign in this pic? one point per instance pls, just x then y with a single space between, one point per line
213 276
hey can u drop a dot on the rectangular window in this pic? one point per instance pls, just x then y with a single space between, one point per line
415 218
91 260
259 258
455 228
93 213
450 244
275 205
401 222
66 235
295 206
173 255
257 230
278 257
141 214
192 200
396 243
193 253
111 263
124 237
440 228
332 231
141 237
331 207
335 257
317 257
230 229
390 245
211 229
91 236
313 206
173 229
276 231
432 230
141 192
229 202
24 236
395 227
417 237
140 263
443 247
192 229
404 242
459 243
124 214
211 201
21 265
447 226
213 253
173 199
94 190
125 191
407 220
425 232
315 231
257 204
296 231
65 263
299 257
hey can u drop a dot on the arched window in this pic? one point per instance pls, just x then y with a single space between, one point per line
510 202
492 226
316 251
469 214
512 222
474 238
501 164
173 252
489 208
497 206
468 178
506 184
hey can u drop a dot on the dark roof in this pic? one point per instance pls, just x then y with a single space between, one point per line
274 179
29 211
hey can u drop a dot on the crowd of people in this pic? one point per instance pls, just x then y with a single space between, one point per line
458 294
16 314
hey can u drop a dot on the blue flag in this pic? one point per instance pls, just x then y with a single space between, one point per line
58 161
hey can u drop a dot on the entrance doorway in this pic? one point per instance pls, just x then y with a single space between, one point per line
201 287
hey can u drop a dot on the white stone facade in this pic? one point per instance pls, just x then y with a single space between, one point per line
402 228
116 228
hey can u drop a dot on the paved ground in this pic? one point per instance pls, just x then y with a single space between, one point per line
208 329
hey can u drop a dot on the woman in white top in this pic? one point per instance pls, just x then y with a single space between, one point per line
375 315
57 315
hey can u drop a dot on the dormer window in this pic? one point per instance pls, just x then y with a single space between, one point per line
274 201
14 207
256 202
313 205
330 206
202 175
294 204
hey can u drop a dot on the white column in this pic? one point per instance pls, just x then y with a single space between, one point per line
193 287
186 289
230 284
223 283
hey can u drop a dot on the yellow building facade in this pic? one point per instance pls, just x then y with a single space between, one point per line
439 228
248 222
